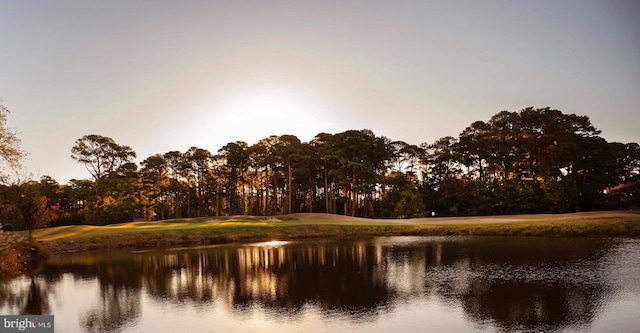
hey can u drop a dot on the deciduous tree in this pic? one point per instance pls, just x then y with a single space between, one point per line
11 153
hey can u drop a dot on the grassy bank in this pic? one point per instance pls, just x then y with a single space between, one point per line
203 231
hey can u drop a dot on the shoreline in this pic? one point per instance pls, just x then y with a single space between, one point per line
236 229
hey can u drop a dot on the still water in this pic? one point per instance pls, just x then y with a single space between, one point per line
386 284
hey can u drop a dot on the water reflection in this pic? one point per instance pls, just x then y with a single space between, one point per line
533 284
283 279
30 296
116 307
510 284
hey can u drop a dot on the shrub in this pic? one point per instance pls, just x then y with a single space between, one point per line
10 248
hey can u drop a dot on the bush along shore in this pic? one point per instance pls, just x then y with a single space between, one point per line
17 254
206 231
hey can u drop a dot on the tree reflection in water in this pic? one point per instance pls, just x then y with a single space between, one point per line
119 302
282 279
530 284
25 296
507 283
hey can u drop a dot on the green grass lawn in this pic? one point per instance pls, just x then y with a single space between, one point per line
301 226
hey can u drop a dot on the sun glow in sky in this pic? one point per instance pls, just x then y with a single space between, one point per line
162 75
256 110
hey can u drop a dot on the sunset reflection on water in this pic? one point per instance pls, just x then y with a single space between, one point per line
380 284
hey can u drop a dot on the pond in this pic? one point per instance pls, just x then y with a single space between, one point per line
397 284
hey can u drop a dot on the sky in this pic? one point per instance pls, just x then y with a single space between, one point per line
168 75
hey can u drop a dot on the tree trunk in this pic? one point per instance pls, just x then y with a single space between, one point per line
309 199
326 191
266 190
289 188
219 200
274 199
353 193
244 194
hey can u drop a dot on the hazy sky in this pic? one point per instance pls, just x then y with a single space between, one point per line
168 75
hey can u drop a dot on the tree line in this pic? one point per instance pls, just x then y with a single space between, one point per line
529 161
